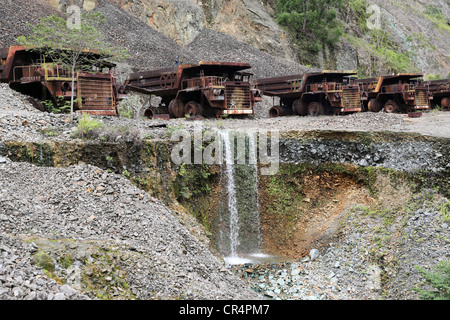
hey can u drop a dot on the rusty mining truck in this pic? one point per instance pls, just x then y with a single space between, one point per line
36 75
394 93
438 92
312 94
206 89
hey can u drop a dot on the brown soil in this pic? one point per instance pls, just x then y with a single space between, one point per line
327 196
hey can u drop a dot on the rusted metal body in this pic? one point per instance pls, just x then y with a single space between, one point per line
31 73
438 92
395 93
206 89
315 93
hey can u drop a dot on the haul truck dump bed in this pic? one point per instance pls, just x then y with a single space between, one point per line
312 93
206 89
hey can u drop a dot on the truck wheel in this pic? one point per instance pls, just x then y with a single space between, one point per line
445 103
278 111
274 111
176 108
299 107
373 105
315 109
193 109
391 106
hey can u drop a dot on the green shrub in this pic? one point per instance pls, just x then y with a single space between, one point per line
445 211
61 105
439 279
87 127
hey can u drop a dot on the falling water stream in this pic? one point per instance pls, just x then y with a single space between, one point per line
250 252
231 193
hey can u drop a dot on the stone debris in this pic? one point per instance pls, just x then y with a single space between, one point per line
130 250
370 260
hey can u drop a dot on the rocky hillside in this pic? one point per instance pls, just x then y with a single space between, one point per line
156 42
413 35
413 38
183 20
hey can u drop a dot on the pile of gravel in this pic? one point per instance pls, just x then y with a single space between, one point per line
20 121
15 15
148 247
19 279
212 45
148 48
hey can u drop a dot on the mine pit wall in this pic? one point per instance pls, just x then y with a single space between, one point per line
321 174
146 163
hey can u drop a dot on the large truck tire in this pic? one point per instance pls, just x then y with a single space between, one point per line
193 109
373 105
299 108
176 108
316 109
391 106
278 111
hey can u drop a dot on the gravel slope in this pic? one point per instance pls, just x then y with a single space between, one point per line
158 257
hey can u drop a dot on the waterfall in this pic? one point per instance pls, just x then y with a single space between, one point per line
253 160
240 219
231 193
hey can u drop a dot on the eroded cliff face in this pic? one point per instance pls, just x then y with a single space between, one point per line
181 21
413 37
248 21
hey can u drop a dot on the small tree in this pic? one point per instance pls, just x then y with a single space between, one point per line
76 48
311 22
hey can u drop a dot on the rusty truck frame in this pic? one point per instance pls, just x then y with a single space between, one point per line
313 94
438 92
36 75
206 89
394 93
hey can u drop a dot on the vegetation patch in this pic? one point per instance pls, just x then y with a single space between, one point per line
438 279
94 268
311 24
196 187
